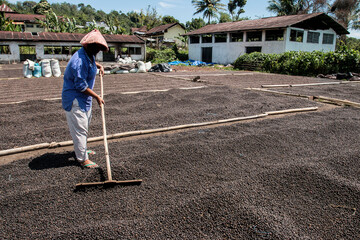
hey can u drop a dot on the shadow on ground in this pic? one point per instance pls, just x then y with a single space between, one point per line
53 160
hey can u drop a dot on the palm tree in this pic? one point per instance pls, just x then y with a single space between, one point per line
288 7
233 5
210 8
347 12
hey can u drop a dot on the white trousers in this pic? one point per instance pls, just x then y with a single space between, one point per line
79 122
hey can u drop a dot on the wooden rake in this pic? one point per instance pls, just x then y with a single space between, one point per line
109 181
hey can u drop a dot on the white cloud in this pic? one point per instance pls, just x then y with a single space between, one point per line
166 5
354 34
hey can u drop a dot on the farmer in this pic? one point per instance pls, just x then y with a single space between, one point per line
77 93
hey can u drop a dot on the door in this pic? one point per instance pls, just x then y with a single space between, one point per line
206 54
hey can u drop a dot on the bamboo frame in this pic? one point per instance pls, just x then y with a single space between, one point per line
150 131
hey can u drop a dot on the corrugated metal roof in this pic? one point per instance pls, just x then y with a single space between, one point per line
273 23
16 17
140 29
64 37
5 8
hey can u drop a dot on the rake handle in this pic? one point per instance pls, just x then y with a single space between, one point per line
108 166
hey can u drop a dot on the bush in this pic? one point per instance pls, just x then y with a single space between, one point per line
166 55
160 56
302 63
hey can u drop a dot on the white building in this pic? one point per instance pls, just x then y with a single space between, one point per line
223 43
19 46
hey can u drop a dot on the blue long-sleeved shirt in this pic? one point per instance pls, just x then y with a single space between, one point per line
79 75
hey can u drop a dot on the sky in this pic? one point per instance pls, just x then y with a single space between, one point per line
180 9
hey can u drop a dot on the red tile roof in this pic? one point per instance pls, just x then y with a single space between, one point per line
64 37
161 28
273 23
5 8
16 17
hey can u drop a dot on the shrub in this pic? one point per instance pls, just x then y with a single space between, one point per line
160 56
302 63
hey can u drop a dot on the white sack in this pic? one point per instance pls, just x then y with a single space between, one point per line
46 68
122 71
134 70
147 66
141 66
55 67
26 70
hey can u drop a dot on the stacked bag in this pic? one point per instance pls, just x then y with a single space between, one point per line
46 68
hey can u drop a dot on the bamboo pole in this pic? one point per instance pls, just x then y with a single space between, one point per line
337 101
108 165
314 84
148 131
300 85
275 86
280 93
292 110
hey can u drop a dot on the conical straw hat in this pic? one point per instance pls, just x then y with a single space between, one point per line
95 37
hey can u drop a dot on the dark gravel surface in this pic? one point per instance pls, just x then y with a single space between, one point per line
44 121
284 178
289 177
349 91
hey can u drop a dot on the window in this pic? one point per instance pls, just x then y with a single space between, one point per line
253 49
254 36
58 50
134 50
274 35
124 51
27 50
313 37
5 49
194 39
296 36
206 38
220 37
29 25
237 37
328 38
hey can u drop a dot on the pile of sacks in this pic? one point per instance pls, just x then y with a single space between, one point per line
46 68
127 65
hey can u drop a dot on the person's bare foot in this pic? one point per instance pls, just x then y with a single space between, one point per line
88 164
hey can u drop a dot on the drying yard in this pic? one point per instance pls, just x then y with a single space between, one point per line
224 159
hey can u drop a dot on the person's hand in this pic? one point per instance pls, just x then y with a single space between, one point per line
100 100
101 70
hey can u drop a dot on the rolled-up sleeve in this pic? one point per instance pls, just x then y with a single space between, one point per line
81 74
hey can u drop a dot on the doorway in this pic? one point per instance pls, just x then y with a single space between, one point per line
206 54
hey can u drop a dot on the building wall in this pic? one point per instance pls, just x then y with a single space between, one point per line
174 32
33 27
309 47
228 52
15 51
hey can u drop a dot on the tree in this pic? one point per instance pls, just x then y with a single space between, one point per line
169 19
6 24
288 7
209 8
236 4
194 24
43 7
347 12
224 17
